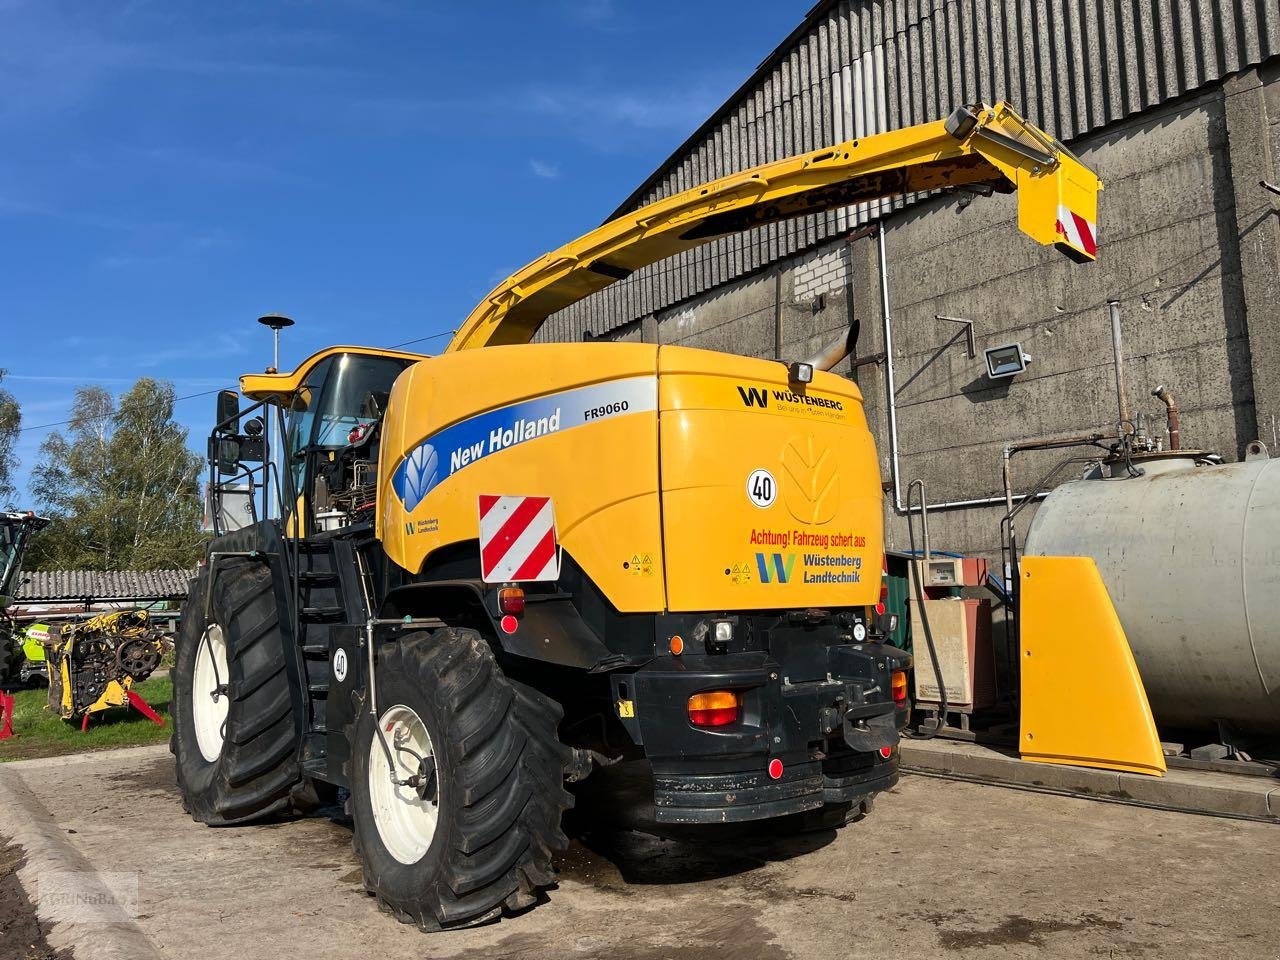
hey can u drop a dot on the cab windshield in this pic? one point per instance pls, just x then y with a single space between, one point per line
339 393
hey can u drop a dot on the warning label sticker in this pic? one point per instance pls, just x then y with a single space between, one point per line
640 564
824 557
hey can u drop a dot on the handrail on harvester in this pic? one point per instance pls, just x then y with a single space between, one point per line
975 146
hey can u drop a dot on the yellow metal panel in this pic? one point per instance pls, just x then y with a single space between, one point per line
992 145
112 696
598 462
1083 702
818 541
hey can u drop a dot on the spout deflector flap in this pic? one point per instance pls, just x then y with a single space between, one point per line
1083 702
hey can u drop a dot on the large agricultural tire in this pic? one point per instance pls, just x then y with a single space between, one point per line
478 837
245 768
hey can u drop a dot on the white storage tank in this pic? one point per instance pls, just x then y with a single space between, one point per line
1190 553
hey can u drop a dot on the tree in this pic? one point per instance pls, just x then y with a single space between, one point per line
10 424
121 488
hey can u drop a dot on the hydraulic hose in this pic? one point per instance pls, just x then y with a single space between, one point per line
924 622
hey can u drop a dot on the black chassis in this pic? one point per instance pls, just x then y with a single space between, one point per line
812 697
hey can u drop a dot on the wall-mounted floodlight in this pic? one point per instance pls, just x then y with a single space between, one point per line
1007 360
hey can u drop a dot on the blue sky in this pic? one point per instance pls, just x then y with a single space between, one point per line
171 170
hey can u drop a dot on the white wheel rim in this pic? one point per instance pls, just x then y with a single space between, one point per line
406 823
208 707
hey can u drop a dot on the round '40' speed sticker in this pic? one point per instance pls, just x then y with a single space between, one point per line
762 489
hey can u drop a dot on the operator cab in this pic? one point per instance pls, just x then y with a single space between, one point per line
334 427
329 411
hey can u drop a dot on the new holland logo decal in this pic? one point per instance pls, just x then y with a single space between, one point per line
438 457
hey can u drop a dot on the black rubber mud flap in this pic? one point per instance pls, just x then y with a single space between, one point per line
874 733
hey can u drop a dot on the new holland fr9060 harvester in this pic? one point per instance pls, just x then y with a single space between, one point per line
497 568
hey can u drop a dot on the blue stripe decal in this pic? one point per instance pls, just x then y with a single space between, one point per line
443 454
762 566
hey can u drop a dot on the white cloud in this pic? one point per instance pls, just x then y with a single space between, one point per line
547 171
646 110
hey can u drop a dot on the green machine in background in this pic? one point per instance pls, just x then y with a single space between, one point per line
20 650
31 642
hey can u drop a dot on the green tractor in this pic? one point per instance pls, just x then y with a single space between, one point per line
21 655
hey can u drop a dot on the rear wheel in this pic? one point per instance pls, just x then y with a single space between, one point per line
467 828
235 734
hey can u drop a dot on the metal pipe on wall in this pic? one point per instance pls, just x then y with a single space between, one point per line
1117 348
1162 394
777 314
1047 443
891 386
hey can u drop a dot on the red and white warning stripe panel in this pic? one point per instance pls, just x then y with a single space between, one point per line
1077 232
518 539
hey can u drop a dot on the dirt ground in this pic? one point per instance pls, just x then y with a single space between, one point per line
938 869
20 934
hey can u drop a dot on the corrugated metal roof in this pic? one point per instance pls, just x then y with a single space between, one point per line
45 585
856 67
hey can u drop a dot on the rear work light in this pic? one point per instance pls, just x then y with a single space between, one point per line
713 709
899 687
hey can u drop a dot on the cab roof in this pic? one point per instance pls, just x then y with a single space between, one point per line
278 387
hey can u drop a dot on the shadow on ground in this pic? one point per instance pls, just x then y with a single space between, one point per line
614 818
617 841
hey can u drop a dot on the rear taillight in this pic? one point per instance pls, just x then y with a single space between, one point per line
713 709
511 600
884 578
899 687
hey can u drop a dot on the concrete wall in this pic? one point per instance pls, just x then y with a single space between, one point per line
1188 245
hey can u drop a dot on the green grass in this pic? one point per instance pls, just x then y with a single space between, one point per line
42 733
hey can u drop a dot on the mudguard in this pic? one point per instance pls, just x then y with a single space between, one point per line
1083 703
551 629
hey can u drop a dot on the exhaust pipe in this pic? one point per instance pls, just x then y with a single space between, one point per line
1162 394
837 350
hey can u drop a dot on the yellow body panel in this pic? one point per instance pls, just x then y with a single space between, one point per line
1083 702
600 471
716 420
819 542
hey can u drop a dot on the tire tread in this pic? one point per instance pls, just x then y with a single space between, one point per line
507 766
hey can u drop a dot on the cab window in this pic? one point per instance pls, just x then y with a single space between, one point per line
354 393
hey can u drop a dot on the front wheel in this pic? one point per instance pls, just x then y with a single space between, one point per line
457 806
236 733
